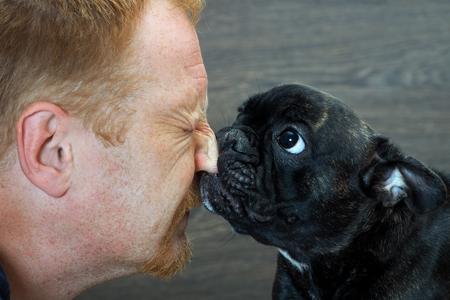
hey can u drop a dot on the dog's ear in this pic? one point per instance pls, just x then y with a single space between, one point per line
391 178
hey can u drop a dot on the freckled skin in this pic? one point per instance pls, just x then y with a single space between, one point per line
122 199
158 157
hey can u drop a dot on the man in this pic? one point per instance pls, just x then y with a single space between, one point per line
102 127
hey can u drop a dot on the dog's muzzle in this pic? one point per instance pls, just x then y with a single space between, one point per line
225 192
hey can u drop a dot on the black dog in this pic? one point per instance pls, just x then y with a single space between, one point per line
352 216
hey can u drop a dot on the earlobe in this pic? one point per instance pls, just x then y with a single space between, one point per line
45 155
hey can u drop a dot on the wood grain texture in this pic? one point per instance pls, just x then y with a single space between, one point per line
388 60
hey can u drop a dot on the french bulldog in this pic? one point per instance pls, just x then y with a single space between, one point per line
352 216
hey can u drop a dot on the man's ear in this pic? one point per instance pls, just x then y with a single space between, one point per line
45 155
392 178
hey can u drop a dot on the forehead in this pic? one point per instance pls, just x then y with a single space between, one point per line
289 103
331 124
166 30
166 48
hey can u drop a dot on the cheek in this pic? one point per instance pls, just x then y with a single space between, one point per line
173 170
162 157
176 157
182 171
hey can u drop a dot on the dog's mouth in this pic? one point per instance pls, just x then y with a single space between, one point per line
218 199
232 194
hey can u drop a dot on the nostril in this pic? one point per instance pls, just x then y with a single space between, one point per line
222 133
238 140
230 138
242 145
225 139
226 145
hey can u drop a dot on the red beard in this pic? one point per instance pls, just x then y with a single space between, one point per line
175 250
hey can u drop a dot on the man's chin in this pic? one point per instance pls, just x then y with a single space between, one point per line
170 259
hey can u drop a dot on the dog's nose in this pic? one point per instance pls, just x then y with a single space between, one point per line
240 140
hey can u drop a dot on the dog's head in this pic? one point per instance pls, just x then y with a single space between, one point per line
299 169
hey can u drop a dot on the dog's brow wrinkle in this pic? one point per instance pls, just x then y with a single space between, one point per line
322 120
300 266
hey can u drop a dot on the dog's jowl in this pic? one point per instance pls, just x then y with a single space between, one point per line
352 216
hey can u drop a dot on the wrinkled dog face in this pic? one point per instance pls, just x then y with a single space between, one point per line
286 164
290 171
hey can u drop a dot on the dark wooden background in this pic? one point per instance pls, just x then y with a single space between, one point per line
389 60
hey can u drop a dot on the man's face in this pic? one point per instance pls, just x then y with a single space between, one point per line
146 180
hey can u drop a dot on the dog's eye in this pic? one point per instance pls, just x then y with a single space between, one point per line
291 141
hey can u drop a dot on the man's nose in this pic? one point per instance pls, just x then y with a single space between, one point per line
206 152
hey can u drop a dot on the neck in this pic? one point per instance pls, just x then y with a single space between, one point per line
47 273
45 258
384 241
39 275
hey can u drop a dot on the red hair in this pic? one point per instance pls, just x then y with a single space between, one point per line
68 51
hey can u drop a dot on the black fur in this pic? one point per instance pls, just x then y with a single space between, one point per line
334 207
